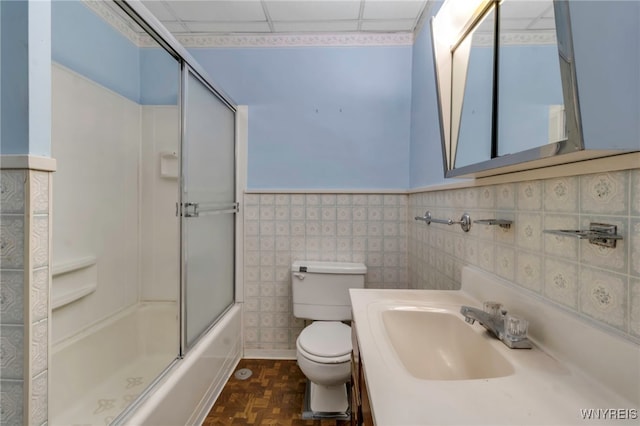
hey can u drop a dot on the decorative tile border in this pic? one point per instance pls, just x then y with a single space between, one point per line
109 12
289 40
24 291
536 38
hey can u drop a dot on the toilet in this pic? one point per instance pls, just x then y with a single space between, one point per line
321 293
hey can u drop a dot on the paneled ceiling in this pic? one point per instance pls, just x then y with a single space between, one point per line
286 16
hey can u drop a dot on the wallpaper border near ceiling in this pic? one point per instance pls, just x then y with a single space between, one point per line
292 40
113 18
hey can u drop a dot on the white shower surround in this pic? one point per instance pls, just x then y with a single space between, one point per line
110 202
128 326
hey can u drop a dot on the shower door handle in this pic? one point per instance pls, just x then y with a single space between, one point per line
191 210
197 210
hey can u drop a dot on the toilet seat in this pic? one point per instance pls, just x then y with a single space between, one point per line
326 342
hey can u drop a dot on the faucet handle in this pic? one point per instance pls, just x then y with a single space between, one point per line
515 328
494 309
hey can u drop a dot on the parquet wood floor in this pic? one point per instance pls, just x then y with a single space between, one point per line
273 395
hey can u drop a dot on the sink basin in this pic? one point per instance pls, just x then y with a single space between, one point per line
435 344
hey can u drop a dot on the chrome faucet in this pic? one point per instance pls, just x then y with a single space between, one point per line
495 325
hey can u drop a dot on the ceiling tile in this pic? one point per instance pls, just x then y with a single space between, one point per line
312 10
301 16
392 9
544 24
228 27
325 26
159 10
523 9
174 26
388 25
217 10
514 24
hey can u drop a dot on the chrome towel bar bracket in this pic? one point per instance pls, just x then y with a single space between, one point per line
464 222
502 223
601 234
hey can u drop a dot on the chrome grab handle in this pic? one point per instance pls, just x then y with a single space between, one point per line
199 209
464 222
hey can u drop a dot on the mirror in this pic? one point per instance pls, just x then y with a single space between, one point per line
506 83
530 103
473 70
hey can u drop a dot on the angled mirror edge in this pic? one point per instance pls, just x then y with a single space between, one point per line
444 137
574 141
460 63
460 24
573 118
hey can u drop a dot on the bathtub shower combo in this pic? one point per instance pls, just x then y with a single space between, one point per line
145 328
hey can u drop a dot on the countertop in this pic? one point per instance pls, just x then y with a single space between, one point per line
542 390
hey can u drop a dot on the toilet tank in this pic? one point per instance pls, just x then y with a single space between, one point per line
321 289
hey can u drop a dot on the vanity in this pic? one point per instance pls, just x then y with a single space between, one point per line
417 362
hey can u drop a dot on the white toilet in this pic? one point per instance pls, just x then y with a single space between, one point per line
321 293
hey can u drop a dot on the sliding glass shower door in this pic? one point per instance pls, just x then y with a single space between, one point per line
208 207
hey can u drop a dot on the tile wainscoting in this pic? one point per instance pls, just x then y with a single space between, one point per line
601 285
24 295
282 228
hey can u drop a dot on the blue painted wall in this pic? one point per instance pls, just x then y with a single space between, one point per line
426 142
86 44
352 117
321 117
14 81
328 117
606 39
159 77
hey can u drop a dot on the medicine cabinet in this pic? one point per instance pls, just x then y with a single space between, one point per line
507 81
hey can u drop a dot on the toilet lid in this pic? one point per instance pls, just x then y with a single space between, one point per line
326 339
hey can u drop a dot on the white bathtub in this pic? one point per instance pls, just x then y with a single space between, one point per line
98 373
187 392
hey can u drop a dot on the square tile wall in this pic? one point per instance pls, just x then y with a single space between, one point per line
602 285
24 295
282 228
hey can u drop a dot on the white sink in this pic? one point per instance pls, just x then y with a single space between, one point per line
423 365
436 344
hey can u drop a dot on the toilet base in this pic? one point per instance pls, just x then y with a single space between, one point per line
327 402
